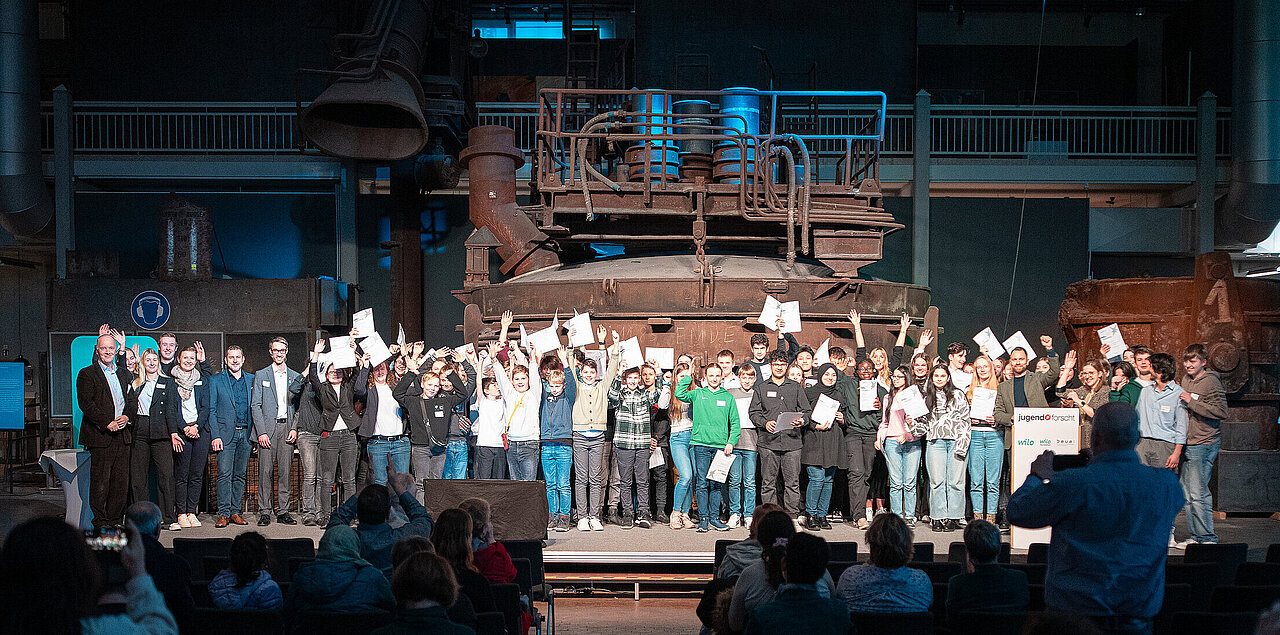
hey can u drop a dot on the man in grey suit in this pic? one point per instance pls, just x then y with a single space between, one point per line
275 399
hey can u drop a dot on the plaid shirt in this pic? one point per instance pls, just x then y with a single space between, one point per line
633 412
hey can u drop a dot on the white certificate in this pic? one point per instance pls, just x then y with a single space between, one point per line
744 412
375 348
912 402
822 355
988 339
524 338
720 465
466 350
601 358
400 339
341 355
984 404
1110 335
867 393
666 357
579 327
656 459
629 352
788 312
825 412
961 379
545 341
362 322
1017 340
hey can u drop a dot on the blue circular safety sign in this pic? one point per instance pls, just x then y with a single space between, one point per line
150 310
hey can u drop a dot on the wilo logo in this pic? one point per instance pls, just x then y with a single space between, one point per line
1026 442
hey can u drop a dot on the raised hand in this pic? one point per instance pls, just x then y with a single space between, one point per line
1106 350
926 338
354 334
904 321
506 320
319 347
105 329
601 332
1070 361
199 351
616 339
1047 342
118 336
855 317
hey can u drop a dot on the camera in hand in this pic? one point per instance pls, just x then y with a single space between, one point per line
1069 461
107 543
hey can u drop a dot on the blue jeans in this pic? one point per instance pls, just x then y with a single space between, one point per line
379 449
233 468
708 491
903 460
986 456
742 483
557 462
522 460
455 463
1195 484
946 479
682 457
817 496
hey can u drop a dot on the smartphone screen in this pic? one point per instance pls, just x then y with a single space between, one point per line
106 539
1069 461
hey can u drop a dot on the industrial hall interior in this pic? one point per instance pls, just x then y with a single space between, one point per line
474 316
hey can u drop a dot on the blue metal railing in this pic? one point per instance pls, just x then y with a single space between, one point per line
1088 132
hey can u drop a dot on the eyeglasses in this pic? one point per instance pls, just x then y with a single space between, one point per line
279 350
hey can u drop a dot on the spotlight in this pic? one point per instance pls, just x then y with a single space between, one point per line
1141 11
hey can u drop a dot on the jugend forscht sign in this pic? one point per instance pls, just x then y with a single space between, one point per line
1034 431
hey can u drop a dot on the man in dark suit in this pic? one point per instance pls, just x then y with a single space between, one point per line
230 392
102 392
171 573
274 430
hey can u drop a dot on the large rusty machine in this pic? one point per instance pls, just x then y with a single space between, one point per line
719 198
1238 320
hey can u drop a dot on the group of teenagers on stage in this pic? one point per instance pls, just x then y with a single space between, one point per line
608 440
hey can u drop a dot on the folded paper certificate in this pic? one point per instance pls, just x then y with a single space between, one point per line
988 339
825 412
912 402
629 351
341 355
788 312
656 459
961 379
720 465
867 393
984 403
375 348
579 327
545 341
822 355
1017 340
744 412
362 322
666 357
1110 335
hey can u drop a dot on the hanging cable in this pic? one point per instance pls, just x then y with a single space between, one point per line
1022 213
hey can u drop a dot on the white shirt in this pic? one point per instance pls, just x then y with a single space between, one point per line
113 382
490 423
339 424
189 414
282 392
144 397
522 408
388 423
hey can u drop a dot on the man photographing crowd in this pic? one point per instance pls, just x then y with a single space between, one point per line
1109 519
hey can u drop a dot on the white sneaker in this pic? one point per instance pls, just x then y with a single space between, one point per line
595 524
881 511
175 527
1181 546
183 522
746 522
584 524
733 520
193 519
869 514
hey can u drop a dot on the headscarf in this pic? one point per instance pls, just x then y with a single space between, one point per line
184 380
341 543
832 391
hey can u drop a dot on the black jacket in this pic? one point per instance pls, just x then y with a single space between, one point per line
164 417
308 417
94 398
428 418
771 400
340 404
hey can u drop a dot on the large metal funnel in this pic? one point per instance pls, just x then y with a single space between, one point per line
377 118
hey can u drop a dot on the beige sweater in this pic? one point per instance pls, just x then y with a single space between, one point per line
591 406
1207 408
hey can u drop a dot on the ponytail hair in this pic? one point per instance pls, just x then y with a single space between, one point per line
774 532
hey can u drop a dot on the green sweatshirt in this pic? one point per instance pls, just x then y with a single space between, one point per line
715 414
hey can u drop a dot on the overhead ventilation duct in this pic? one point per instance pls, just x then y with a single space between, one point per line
373 107
25 208
1252 205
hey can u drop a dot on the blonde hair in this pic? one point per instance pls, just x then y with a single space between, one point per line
993 380
141 372
885 375
555 376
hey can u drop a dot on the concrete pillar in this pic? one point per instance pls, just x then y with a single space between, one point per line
1206 169
348 265
64 196
921 143
406 252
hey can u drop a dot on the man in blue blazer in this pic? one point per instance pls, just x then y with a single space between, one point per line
276 389
230 393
